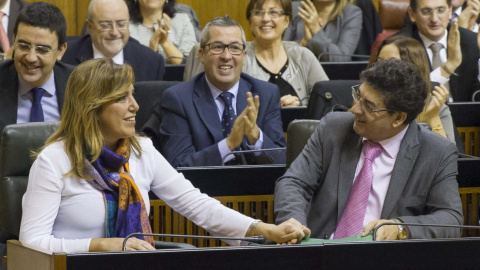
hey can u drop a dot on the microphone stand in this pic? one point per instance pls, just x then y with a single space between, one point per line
253 239
250 151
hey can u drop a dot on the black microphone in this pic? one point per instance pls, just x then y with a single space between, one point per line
250 151
423 225
253 239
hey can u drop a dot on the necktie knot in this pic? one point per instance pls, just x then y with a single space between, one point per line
436 47
1 15
227 98
37 94
372 150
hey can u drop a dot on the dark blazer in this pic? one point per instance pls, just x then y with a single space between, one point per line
463 86
423 186
191 129
9 89
147 64
15 7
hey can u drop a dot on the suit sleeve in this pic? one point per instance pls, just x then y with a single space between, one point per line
272 129
442 205
294 190
177 140
346 43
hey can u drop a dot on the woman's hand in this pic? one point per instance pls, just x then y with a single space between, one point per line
160 36
289 232
439 97
115 244
310 17
289 101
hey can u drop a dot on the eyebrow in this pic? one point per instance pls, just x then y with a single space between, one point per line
37 45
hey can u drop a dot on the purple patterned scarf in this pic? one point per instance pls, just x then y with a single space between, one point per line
125 209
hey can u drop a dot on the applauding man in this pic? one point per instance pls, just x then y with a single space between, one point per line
221 109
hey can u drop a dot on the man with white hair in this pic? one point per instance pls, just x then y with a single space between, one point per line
109 37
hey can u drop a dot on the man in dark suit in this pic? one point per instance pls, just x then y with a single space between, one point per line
39 45
15 6
39 35
431 18
338 184
107 23
199 127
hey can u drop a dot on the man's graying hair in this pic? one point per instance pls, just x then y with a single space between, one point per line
224 21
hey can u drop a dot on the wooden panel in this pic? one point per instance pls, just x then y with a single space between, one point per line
207 10
255 206
69 9
469 197
471 140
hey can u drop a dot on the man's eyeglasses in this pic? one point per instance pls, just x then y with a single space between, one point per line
365 107
39 50
108 25
219 48
273 13
428 12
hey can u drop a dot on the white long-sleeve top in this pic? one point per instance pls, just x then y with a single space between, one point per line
63 213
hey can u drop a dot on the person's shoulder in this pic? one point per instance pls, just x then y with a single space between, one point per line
6 66
187 86
180 17
294 50
54 150
64 66
258 85
433 141
350 9
141 50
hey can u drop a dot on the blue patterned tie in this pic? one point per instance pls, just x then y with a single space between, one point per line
228 116
36 114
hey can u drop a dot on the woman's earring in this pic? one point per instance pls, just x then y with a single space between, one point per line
166 1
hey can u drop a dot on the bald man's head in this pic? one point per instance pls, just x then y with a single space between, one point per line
107 22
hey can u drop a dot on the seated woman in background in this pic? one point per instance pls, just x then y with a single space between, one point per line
72 202
294 69
157 25
436 114
330 28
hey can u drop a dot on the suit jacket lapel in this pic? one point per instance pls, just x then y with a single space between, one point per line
351 151
61 79
402 169
9 100
206 108
86 51
243 88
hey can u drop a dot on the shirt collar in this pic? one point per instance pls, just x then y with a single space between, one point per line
392 145
25 87
427 42
6 8
117 59
216 92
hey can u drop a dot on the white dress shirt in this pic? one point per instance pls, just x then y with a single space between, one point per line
117 59
63 213
49 101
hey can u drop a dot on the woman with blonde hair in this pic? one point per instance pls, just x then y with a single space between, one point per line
329 28
88 187
435 113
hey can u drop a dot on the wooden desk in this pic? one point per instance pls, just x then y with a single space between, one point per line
408 254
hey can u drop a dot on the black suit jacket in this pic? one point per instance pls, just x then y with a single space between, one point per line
15 7
147 64
463 86
9 89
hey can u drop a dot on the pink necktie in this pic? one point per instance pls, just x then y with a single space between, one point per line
351 222
3 35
